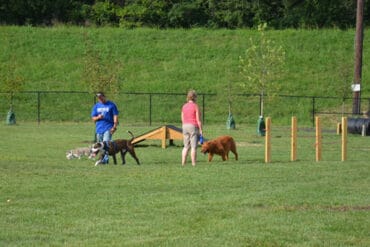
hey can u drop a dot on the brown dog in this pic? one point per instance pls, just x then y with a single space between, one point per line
113 147
221 146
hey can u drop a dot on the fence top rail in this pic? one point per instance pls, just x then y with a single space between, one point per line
338 113
302 96
41 91
85 92
175 93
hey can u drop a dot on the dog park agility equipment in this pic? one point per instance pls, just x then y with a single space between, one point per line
318 139
359 126
163 133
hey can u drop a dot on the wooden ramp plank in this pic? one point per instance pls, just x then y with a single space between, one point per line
147 135
163 133
174 134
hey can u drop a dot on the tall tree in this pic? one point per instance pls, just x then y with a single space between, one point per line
261 66
99 76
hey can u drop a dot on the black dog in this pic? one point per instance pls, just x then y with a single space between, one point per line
113 147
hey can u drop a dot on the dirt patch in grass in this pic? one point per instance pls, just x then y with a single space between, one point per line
249 144
343 208
349 208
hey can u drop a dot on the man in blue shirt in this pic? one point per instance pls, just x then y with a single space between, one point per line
105 115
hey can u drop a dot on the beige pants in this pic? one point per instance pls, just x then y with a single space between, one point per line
190 133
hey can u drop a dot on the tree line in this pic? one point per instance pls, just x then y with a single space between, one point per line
279 14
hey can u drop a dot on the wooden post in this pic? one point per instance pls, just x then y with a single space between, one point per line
344 138
318 139
293 142
164 136
356 108
268 141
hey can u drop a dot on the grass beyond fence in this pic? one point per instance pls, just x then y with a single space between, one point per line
173 61
47 200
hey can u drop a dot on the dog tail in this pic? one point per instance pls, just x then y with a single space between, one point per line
132 135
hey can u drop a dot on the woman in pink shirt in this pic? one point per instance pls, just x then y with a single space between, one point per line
191 127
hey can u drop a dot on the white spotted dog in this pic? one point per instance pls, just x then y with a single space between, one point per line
78 153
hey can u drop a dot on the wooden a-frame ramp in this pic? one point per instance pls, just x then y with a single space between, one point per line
163 133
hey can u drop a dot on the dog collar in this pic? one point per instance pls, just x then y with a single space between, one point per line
106 146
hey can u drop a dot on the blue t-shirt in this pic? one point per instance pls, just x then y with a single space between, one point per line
108 109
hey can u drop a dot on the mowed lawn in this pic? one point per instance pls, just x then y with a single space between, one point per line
47 200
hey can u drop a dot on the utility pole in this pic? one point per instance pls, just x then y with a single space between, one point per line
356 87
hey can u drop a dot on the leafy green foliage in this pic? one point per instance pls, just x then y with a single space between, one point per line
176 13
187 15
104 13
144 13
230 14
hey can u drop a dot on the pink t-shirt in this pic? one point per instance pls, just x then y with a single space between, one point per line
189 114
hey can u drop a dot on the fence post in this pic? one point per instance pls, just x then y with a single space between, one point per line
313 111
318 139
293 152
268 140
150 109
344 138
38 108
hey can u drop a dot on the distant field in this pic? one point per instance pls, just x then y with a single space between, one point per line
175 60
47 200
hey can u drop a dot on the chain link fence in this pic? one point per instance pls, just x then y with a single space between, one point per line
165 108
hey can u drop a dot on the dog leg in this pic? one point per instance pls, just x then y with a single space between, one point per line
210 157
233 149
100 160
123 154
227 156
133 154
114 159
223 156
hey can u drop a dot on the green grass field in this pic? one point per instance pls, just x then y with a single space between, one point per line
47 200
